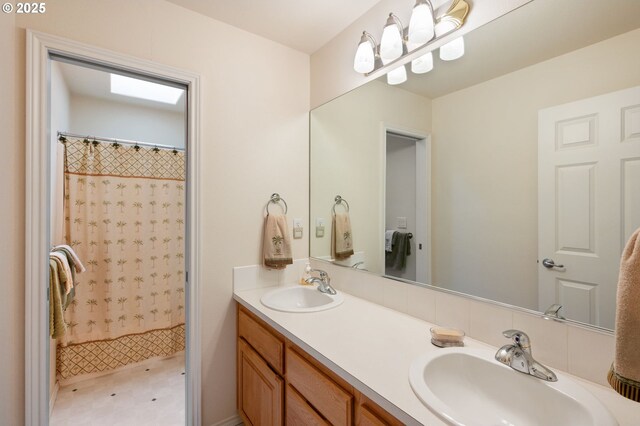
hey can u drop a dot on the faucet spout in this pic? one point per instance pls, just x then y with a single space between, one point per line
518 356
324 282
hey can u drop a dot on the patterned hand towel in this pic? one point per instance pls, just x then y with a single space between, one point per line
276 245
624 375
341 238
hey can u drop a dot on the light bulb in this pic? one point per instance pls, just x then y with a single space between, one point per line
421 28
397 75
391 43
422 64
452 50
364 60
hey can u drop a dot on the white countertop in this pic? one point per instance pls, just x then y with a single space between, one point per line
372 347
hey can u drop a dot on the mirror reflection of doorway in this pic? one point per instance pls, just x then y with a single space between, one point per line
407 253
118 217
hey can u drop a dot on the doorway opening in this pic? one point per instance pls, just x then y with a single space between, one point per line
118 175
112 268
407 198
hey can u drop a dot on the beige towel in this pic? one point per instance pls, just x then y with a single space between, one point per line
62 259
57 326
341 238
276 244
624 375
66 249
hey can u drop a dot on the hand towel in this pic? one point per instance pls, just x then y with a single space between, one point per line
624 375
57 326
400 249
62 258
341 237
388 235
74 260
276 244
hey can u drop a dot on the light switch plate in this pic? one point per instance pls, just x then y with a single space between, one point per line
319 227
297 228
402 223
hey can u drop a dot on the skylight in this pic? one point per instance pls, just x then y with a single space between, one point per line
135 88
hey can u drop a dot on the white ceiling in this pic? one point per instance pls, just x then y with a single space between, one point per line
305 25
93 83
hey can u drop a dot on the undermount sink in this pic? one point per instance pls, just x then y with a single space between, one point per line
466 386
300 299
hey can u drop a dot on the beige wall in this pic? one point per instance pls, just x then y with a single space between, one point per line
254 122
101 117
12 225
490 164
347 148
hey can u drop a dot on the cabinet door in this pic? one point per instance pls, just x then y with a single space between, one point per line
260 390
299 412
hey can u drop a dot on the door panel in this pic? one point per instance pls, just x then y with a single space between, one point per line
588 203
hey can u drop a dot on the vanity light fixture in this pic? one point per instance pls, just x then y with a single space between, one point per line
422 64
424 28
392 42
455 48
421 25
397 75
365 60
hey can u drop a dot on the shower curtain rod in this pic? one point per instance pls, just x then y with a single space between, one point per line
124 141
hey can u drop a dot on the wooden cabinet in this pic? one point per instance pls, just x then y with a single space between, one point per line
323 393
368 413
260 390
279 383
299 412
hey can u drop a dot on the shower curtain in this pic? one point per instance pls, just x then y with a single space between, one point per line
124 217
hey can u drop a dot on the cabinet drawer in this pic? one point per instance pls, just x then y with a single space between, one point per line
329 399
368 413
260 390
269 346
299 412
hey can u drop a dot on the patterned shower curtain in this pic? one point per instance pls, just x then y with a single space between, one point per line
124 217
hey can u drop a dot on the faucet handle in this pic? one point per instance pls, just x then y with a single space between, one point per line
520 338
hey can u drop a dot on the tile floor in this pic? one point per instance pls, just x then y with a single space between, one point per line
151 394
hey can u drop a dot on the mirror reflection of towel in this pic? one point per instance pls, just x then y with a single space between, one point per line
276 245
341 237
400 249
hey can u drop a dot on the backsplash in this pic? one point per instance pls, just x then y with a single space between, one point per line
583 352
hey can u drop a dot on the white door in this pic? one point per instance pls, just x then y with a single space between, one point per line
588 201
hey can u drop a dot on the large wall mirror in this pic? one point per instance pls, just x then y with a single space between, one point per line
469 176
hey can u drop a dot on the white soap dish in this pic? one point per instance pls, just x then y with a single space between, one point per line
445 337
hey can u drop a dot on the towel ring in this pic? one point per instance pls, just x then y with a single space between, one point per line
339 200
275 199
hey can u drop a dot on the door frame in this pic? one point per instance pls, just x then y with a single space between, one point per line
37 223
423 186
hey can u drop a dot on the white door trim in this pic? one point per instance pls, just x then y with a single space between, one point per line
37 236
423 184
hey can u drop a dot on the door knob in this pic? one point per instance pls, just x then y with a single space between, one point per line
549 264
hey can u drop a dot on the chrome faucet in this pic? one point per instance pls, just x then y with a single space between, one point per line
324 282
553 312
518 356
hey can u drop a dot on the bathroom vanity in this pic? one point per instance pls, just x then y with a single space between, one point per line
346 365
278 382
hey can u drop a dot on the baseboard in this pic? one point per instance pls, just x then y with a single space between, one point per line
52 397
231 421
